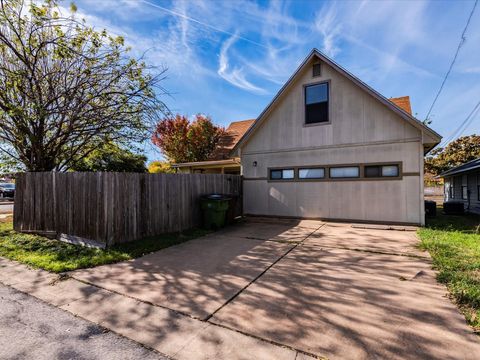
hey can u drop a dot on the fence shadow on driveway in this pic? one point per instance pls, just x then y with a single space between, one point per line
322 300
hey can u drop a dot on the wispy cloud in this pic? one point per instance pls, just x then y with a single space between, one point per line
234 75
185 17
388 60
471 70
327 24
254 46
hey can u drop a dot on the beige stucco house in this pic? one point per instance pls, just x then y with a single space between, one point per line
328 146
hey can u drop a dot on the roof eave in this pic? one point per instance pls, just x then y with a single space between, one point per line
206 163
456 169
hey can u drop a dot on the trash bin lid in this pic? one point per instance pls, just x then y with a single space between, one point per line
217 197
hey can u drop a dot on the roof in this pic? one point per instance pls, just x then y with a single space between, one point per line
471 165
208 163
232 135
403 103
221 155
392 106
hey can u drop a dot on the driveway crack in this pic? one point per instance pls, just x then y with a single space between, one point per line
295 245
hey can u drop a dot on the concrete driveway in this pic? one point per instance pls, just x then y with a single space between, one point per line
325 289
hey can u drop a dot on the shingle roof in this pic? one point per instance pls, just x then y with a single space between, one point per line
227 142
471 165
403 103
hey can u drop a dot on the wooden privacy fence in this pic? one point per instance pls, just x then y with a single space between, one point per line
112 208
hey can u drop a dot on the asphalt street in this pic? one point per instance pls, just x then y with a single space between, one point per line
32 329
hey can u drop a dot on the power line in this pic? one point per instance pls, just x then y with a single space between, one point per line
462 41
183 16
465 123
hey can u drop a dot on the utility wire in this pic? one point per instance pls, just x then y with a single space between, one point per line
462 41
183 16
463 38
465 123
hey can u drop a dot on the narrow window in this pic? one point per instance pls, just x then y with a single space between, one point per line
316 103
313 173
345 172
374 171
282 174
316 69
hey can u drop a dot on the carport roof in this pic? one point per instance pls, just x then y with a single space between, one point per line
471 165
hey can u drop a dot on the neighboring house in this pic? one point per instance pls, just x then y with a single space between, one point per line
462 183
220 162
328 146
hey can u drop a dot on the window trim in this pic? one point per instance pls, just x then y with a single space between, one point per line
327 177
381 170
461 188
282 168
329 110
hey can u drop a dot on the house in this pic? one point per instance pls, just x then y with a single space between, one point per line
328 146
462 183
221 162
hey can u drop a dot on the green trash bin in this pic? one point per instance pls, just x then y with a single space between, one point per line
214 209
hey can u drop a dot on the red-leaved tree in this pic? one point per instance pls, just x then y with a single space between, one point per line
181 140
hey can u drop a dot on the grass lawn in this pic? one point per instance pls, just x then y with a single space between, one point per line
455 248
56 256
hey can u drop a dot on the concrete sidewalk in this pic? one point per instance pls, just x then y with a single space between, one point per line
170 333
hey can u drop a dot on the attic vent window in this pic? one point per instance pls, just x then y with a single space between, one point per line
316 70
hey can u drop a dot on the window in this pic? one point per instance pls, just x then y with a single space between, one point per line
316 103
316 70
313 173
373 171
345 172
464 187
282 174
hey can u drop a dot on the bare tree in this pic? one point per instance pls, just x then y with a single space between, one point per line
65 86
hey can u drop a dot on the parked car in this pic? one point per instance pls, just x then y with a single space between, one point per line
7 190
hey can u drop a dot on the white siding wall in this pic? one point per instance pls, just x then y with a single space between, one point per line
472 181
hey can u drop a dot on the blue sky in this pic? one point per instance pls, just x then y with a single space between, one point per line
227 59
